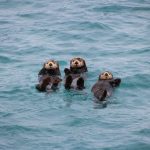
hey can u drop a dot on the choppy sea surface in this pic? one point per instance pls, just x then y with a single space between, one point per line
110 35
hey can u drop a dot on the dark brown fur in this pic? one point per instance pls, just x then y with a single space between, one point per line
48 77
103 88
74 73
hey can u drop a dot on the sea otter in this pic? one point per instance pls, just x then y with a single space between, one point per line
75 76
49 76
104 86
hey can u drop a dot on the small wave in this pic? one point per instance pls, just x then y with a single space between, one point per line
144 132
131 146
137 80
3 22
5 59
32 15
140 51
16 128
14 3
93 25
117 8
5 114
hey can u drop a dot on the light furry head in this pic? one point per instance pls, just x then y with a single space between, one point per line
52 67
106 76
51 64
77 63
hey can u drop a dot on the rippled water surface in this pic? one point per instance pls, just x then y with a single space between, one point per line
110 35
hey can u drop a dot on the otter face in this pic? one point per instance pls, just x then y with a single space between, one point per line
106 76
51 64
77 63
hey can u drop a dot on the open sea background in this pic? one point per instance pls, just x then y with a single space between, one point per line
110 35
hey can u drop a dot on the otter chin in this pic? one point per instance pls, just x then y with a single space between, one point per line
75 75
48 74
105 85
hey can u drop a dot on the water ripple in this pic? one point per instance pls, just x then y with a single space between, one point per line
109 35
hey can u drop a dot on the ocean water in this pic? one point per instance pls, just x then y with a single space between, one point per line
110 35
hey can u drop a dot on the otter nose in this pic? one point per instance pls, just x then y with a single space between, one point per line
76 62
50 64
106 74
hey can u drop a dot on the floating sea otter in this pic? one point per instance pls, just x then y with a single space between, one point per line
49 76
105 85
75 76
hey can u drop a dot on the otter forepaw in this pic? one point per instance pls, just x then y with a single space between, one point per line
115 82
80 83
68 82
44 83
67 71
103 96
39 88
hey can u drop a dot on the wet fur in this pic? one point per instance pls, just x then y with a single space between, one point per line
103 88
74 77
48 77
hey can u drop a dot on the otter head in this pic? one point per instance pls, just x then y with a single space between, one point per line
53 66
106 76
78 63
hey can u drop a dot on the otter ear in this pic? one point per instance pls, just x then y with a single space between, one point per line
99 78
44 65
70 65
58 71
85 65
70 61
57 64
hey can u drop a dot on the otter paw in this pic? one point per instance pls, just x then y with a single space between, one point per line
39 88
117 81
80 83
45 82
67 71
54 86
103 96
68 82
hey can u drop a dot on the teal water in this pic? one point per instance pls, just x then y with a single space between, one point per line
109 35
